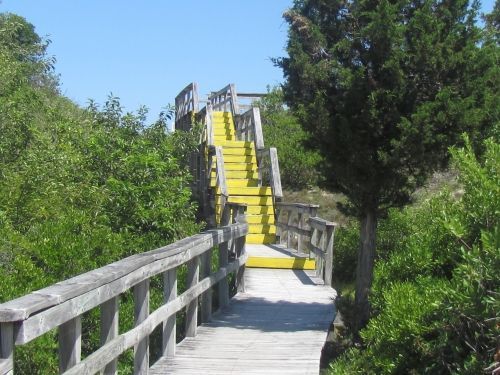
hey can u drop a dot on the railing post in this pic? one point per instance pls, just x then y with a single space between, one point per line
206 298
141 312
223 285
240 250
169 326
193 276
301 226
258 136
275 175
329 237
6 348
109 329
70 343
289 233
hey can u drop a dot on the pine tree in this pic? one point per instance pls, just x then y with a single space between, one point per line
380 87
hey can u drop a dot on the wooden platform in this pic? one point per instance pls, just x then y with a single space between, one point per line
277 256
278 326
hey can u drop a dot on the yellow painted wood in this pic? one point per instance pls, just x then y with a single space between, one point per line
226 132
260 219
239 159
239 167
238 151
232 175
281 263
255 209
237 144
241 182
221 138
253 238
249 191
261 228
256 201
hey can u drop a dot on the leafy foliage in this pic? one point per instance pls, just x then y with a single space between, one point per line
79 188
298 164
436 287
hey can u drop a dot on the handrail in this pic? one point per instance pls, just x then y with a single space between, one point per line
249 128
62 305
313 234
225 100
186 103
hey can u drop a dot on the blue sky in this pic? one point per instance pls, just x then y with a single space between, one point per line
146 52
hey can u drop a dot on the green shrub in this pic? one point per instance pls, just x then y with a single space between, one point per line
435 293
298 164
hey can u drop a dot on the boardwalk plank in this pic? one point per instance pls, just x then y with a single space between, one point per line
279 325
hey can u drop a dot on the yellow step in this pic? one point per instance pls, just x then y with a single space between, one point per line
281 263
237 144
262 191
238 175
222 139
221 132
239 167
254 201
222 114
236 183
260 219
238 151
260 238
253 210
262 229
240 159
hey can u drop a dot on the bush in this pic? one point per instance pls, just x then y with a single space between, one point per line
298 165
435 293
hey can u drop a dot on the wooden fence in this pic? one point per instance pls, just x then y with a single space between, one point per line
186 107
299 228
61 306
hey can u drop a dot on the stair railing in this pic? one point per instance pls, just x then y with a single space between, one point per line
249 128
186 107
225 100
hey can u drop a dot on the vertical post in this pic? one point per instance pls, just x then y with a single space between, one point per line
223 285
301 226
277 221
240 250
258 137
6 348
70 343
275 175
141 312
109 329
329 237
169 294
288 231
206 298
193 276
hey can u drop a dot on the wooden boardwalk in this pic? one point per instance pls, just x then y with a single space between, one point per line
278 325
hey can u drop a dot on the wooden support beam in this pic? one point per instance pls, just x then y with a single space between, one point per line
6 348
193 276
169 326
70 343
109 329
141 313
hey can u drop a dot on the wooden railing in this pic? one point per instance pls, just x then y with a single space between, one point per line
186 106
62 305
225 100
299 228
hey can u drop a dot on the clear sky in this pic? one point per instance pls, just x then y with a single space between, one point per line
145 52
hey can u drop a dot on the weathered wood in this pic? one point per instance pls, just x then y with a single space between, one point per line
300 234
53 317
109 329
206 298
329 235
254 334
275 174
221 174
320 224
193 275
95 361
298 207
209 125
141 313
6 348
186 106
169 326
70 343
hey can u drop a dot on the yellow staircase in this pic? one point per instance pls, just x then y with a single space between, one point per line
240 166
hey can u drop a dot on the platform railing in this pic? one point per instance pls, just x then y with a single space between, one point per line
62 305
299 228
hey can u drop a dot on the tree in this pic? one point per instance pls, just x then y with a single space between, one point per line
380 87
